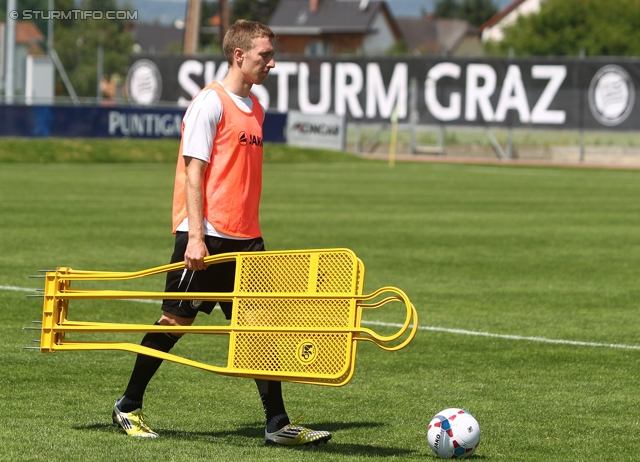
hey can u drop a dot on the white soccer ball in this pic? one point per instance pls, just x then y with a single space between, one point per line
453 434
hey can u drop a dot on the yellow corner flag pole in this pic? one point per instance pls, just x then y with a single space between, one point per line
394 136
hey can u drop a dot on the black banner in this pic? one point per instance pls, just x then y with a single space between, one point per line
561 93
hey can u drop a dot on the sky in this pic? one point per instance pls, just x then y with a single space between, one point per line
167 11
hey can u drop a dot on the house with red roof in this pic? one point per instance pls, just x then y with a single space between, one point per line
28 52
492 29
328 27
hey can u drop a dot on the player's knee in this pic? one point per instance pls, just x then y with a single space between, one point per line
161 341
169 319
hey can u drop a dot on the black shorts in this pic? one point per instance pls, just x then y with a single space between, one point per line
215 278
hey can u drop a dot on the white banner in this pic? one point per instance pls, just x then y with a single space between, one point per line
326 131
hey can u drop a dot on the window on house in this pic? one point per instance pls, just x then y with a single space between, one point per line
317 48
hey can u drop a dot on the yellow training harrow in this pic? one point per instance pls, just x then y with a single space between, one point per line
296 314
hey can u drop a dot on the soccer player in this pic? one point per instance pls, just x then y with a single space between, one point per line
215 210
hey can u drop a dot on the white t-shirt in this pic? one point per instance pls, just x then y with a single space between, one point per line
200 122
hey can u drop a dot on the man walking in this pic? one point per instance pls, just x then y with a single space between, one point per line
215 210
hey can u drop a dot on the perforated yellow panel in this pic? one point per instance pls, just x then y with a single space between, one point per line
300 354
298 273
286 353
284 273
336 273
294 312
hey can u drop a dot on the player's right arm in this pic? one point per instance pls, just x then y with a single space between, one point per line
194 190
201 120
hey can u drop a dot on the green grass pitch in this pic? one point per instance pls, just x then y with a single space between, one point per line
525 280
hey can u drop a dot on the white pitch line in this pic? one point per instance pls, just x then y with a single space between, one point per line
511 337
18 289
437 329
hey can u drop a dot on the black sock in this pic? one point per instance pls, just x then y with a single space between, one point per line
273 404
277 422
146 366
124 404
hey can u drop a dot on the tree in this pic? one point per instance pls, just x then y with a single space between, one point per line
76 41
253 10
33 5
209 40
447 8
399 48
477 12
564 27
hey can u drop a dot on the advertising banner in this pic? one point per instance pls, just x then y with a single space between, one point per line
90 121
316 131
563 93
109 122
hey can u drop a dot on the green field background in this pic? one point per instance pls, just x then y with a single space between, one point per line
498 260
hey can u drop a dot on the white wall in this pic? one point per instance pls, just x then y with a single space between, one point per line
2 47
496 33
381 40
40 80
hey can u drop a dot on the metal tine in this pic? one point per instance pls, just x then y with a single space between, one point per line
39 290
32 328
35 296
35 340
30 348
36 276
36 322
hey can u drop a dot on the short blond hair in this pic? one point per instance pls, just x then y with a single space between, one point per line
242 35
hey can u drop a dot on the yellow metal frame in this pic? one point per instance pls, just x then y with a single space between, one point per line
296 314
